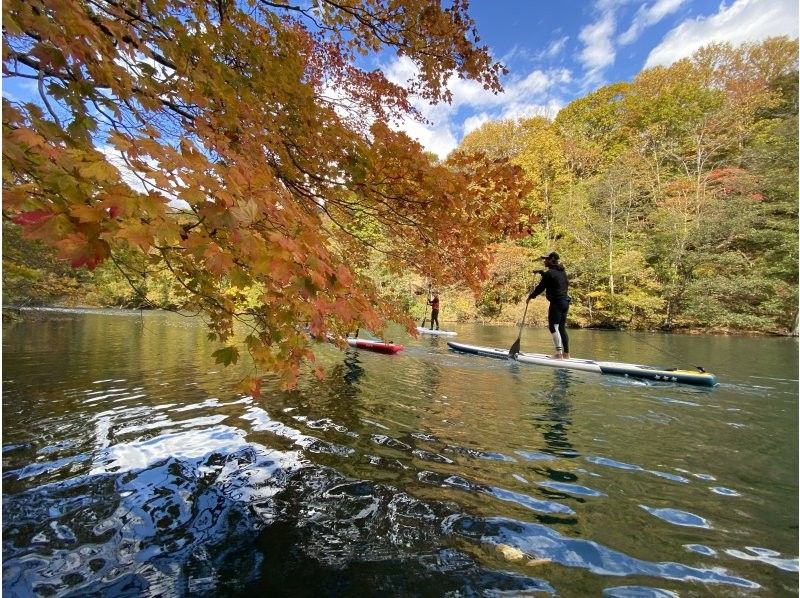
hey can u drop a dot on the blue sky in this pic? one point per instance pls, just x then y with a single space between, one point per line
560 50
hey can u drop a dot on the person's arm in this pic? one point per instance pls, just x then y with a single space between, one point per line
540 288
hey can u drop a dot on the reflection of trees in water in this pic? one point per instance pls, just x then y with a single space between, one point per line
353 370
338 395
431 376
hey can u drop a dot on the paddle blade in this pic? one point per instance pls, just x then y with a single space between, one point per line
514 350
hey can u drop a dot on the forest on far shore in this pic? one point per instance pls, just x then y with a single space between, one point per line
672 199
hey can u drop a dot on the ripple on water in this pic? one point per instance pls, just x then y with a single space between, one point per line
524 500
638 592
570 488
668 476
765 555
612 463
535 456
721 490
700 549
539 541
678 517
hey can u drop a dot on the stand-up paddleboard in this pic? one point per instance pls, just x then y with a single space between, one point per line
423 330
645 372
377 346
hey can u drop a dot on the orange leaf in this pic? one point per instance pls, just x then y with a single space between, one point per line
218 262
138 235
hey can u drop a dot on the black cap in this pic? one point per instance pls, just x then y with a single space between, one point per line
551 254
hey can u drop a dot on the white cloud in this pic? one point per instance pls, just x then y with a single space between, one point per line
598 52
648 15
522 97
522 110
438 138
129 177
555 47
742 21
476 121
137 180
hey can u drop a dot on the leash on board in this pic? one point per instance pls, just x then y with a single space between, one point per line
661 350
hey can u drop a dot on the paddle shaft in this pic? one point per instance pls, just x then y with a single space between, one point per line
425 315
515 347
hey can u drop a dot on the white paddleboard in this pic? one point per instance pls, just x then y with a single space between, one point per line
646 372
422 330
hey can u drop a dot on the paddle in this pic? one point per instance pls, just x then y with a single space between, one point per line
425 316
514 350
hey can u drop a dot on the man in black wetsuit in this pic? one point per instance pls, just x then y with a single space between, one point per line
554 285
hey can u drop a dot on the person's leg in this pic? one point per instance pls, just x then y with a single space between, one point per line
553 320
562 326
435 318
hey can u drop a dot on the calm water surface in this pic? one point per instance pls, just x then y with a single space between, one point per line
131 467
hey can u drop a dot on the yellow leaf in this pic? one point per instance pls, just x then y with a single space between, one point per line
84 213
99 171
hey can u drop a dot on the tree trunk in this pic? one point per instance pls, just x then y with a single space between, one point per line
611 255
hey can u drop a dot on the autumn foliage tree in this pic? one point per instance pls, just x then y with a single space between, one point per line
672 198
240 147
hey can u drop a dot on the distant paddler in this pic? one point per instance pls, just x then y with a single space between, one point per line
433 301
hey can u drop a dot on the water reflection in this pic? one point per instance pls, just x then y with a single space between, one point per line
556 418
353 368
554 425
131 467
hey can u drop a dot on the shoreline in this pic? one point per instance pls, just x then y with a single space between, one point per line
677 331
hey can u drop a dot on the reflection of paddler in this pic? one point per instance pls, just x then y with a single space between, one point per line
555 422
558 416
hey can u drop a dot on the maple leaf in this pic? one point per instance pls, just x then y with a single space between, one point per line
226 355
28 137
82 251
33 217
84 213
246 213
218 262
99 171
138 235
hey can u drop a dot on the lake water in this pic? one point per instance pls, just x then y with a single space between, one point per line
132 467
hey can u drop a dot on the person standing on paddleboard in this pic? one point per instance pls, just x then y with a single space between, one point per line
554 285
434 303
